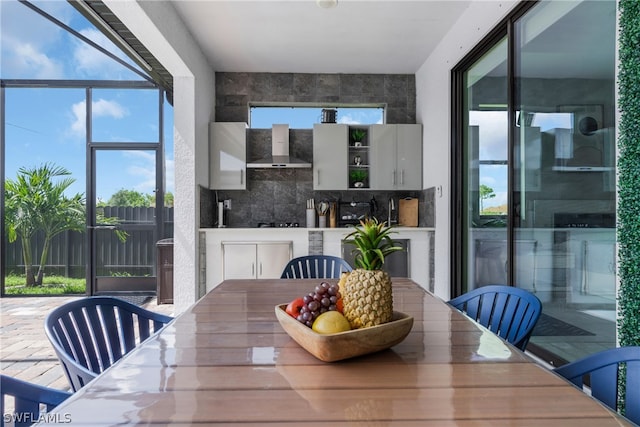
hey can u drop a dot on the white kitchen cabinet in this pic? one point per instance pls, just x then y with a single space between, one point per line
255 260
330 156
396 157
227 156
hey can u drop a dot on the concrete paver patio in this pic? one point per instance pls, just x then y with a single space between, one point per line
25 351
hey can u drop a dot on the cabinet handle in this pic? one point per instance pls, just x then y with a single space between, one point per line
253 269
241 177
402 177
318 176
260 275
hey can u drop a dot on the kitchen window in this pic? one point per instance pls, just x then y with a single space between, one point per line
304 117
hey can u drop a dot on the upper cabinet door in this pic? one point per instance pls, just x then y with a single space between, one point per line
409 157
383 157
330 156
396 157
227 156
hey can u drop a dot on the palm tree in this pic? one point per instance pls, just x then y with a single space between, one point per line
486 192
35 202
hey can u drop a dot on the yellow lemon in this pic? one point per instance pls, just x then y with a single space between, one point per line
330 322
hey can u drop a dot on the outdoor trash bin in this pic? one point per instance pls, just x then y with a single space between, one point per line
165 271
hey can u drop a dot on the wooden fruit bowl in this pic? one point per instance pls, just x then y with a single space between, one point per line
344 345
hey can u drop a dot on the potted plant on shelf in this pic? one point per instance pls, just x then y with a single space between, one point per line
357 135
358 178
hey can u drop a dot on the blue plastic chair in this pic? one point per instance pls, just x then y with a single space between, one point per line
91 334
602 369
315 267
28 400
509 312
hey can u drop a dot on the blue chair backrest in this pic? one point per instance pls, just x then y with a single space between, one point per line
90 334
603 370
27 397
315 267
509 312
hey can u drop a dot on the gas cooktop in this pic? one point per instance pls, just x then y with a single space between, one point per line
278 225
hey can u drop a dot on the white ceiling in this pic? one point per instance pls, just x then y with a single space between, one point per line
356 36
384 36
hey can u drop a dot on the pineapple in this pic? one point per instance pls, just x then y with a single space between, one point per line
366 291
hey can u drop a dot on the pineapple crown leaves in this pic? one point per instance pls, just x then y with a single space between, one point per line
372 242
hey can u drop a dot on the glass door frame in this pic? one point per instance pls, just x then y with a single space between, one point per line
88 85
97 285
520 223
459 244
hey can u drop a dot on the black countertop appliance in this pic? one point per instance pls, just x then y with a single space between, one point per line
351 212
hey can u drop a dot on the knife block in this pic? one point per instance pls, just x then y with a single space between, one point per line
311 218
332 215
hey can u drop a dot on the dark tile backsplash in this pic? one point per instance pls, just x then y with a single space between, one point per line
279 195
281 198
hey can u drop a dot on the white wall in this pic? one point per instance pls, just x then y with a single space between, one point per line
433 110
158 27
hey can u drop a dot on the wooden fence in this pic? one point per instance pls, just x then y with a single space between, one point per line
68 255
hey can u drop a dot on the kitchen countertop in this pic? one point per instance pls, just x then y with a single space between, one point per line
337 229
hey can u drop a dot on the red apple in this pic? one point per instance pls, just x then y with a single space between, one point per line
293 308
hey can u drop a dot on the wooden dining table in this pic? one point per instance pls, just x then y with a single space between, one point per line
226 360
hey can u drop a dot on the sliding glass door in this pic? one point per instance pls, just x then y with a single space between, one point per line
537 170
485 156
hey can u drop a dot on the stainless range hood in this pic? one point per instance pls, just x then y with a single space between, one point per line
280 157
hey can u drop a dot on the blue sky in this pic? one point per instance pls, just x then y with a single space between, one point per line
305 117
48 125
493 146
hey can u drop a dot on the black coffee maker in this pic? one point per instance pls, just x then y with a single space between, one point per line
352 212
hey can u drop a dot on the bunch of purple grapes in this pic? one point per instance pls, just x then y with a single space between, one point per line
323 298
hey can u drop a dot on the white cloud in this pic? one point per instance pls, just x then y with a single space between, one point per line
91 61
79 112
348 120
142 167
358 116
28 42
493 133
100 108
25 60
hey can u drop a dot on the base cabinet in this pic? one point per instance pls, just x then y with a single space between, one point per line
259 260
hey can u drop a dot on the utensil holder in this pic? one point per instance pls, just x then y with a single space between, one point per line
311 218
322 221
